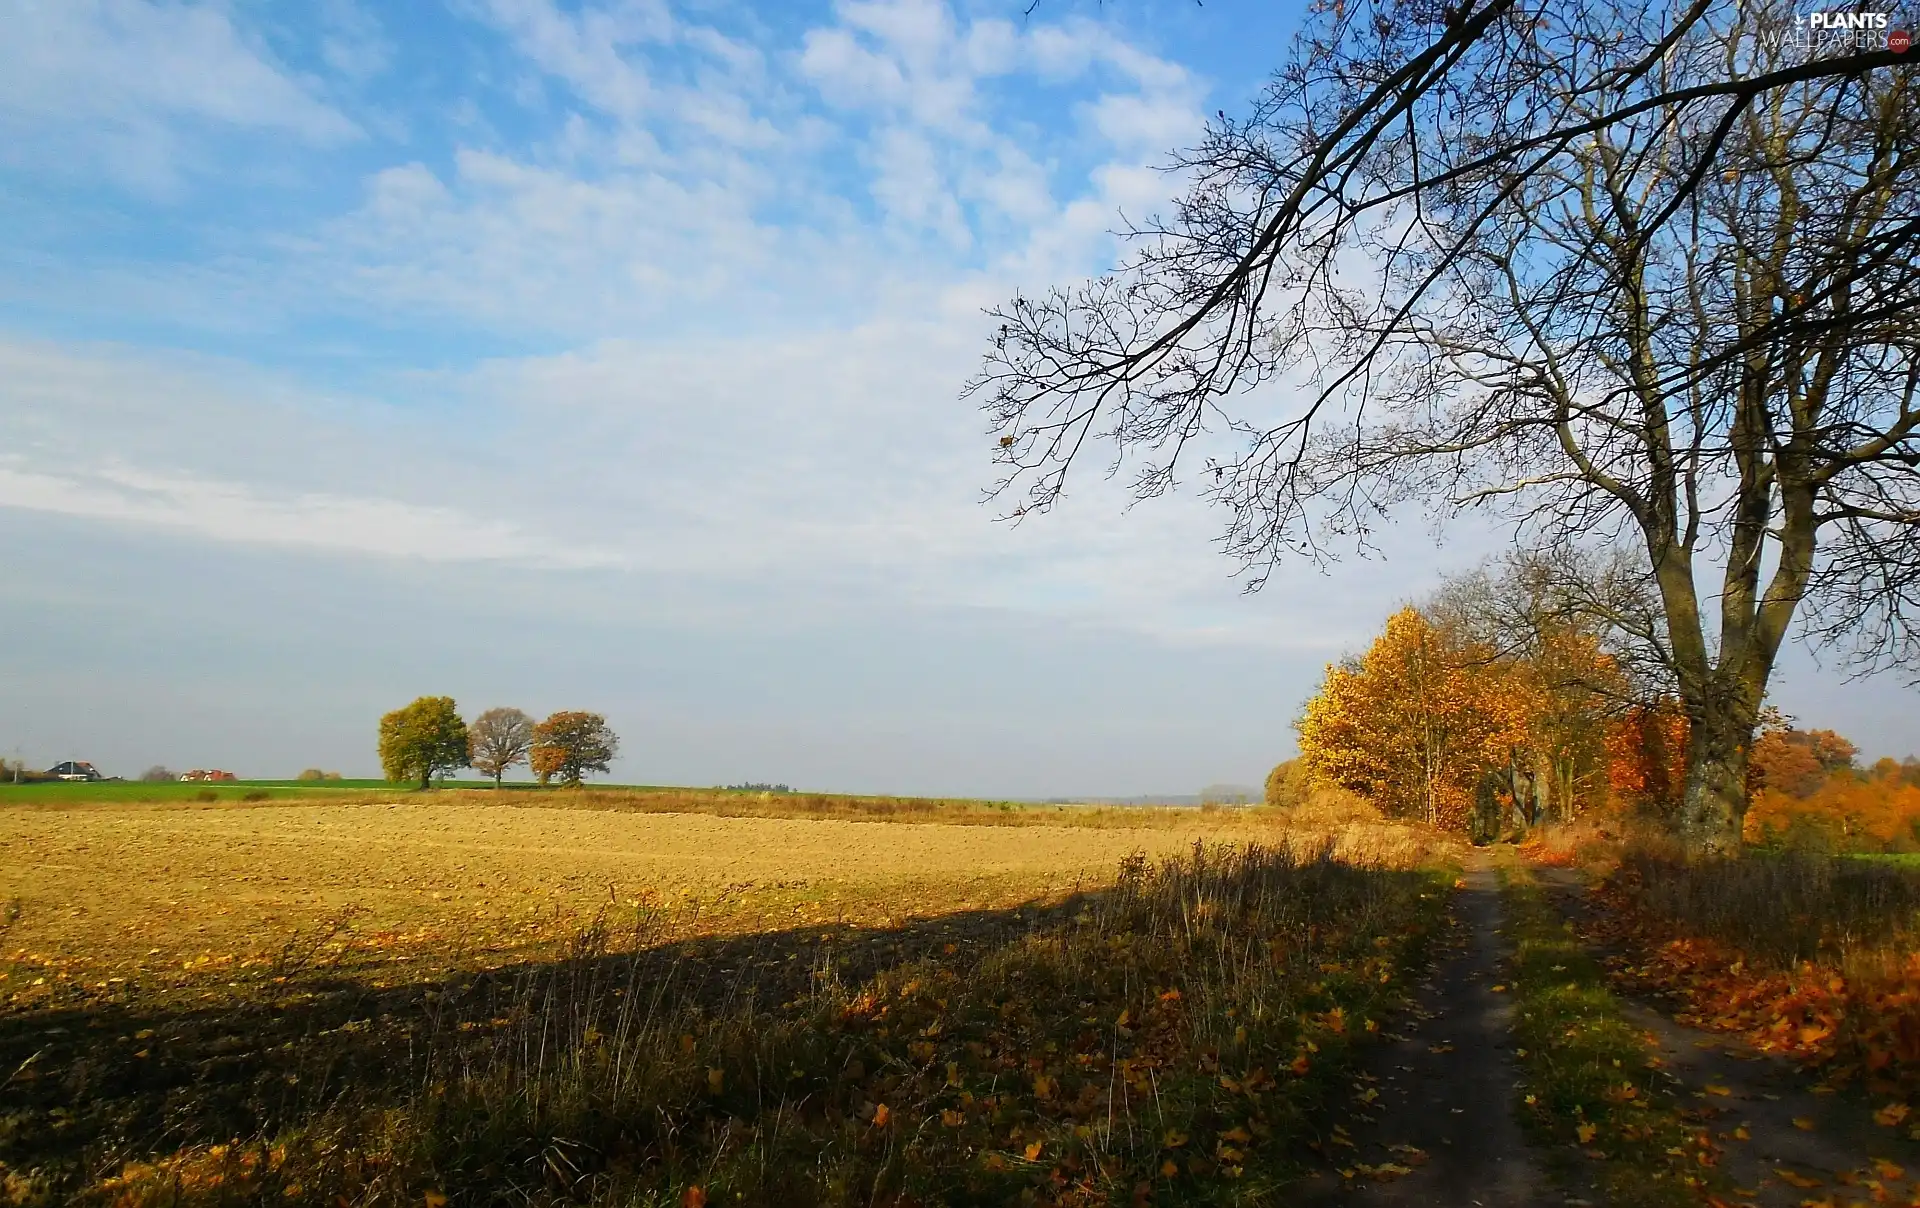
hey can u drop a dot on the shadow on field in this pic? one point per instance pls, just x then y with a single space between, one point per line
87 1088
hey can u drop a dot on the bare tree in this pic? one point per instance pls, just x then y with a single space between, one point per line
1632 272
498 739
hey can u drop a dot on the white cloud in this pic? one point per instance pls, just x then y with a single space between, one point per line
353 42
847 73
109 85
537 247
229 453
585 49
740 200
234 512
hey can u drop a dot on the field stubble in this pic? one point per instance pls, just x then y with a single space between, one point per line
730 991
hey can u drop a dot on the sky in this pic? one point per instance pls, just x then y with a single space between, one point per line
608 356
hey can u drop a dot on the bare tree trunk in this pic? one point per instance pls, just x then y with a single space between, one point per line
1714 804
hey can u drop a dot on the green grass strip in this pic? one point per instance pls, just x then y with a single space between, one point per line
1593 1093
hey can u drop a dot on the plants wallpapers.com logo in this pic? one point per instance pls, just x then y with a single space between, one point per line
1848 31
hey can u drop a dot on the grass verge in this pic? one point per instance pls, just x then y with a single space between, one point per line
1176 1039
1592 1083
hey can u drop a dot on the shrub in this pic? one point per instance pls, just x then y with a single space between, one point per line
255 795
1288 784
157 774
206 795
313 774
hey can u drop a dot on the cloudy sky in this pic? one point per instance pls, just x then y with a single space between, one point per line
607 355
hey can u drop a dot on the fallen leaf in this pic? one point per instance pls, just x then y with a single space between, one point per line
1804 1123
693 1197
716 1080
1033 1151
1586 1132
1890 1115
1795 1179
881 1115
435 1199
1712 1089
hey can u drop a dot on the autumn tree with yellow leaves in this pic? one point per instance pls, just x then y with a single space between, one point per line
1494 699
1412 724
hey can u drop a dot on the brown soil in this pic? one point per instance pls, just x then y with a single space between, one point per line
1437 1097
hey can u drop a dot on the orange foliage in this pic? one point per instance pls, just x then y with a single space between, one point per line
1854 811
546 761
1414 724
1796 762
1647 756
1845 1026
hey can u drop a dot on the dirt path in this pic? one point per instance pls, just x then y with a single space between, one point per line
1780 1141
1437 1100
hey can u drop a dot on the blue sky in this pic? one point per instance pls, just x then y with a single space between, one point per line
607 356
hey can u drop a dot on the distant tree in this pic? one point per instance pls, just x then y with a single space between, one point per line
498 739
1796 763
157 775
423 740
1569 635
571 744
546 762
1287 784
1647 757
312 774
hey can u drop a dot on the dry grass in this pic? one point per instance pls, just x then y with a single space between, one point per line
1174 1039
1810 956
127 900
742 1034
1779 908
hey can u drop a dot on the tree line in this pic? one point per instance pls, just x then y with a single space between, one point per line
428 738
1526 692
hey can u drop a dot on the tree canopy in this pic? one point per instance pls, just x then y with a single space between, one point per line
497 740
423 740
571 744
1630 272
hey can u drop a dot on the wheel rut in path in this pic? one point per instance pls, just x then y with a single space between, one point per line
1443 1087
1781 1143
